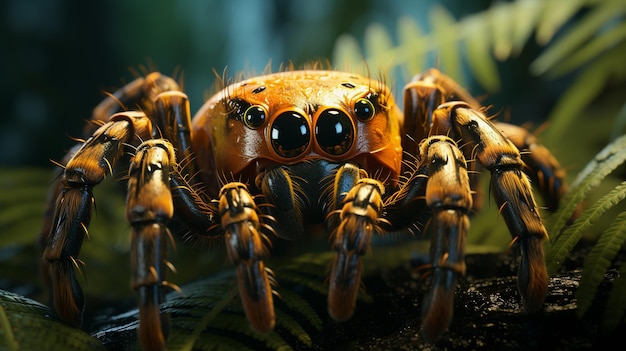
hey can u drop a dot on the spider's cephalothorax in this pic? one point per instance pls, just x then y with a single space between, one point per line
269 156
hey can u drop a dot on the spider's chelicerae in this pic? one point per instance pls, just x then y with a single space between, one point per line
268 156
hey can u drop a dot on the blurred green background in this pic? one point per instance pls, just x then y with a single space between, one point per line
59 56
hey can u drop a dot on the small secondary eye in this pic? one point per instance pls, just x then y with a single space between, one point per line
254 116
364 109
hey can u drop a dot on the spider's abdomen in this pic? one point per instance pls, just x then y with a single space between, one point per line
291 117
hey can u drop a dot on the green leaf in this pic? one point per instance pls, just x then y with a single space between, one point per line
525 19
605 162
378 45
28 325
587 86
555 14
582 32
599 259
445 36
413 46
607 41
479 57
502 17
347 54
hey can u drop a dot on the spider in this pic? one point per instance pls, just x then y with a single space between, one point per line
267 157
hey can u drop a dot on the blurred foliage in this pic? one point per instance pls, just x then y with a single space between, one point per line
578 44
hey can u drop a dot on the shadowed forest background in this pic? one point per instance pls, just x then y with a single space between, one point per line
59 57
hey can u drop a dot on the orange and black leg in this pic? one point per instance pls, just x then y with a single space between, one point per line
359 204
247 248
448 196
511 190
73 207
149 208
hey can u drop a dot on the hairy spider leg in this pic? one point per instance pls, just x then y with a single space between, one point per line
359 204
73 207
430 89
138 94
511 190
448 195
149 208
247 248
542 167
71 198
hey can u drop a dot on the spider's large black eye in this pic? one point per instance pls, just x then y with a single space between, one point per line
254 116
334 131
364 109
290 134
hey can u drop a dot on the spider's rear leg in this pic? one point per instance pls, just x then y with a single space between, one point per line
511 190
448 194
87 168
247 248
432 88
539 163
139 94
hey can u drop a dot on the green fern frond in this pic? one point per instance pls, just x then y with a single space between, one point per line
479 56
345 54
497 33
593 49
308 270
582 34
377 43
295 302
594 43
599 259
293 327
587 85
29 325
444 33
604 163
22 199
501 17
554 15
566 241
411 36
527 16
207 318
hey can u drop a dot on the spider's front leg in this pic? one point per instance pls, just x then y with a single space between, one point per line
448 195
149 208
360 206
247 248
511 190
